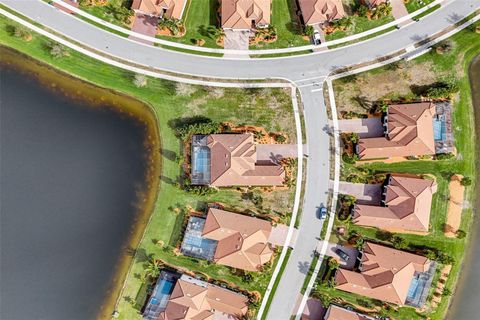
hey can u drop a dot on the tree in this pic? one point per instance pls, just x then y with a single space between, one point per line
359 242
446 292
57 50
460 234
22 33
140 80
333 263
308 30
172 24
399 242
153 267
466 181
119 13
362 10
280 138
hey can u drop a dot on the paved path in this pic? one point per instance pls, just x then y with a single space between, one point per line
146 25
316 195
306 68
332 252
399 11
365 193
275 152
308 73
366 128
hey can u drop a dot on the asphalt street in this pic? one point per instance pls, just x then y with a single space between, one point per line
307 71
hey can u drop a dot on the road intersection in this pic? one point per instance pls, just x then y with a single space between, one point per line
305 72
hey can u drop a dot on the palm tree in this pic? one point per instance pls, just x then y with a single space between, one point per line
333 264
153 267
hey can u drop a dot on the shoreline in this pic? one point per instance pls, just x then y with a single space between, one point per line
467 263
73 87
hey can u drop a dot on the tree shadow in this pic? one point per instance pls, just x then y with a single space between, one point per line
363 102
168 180
214 17
169 154
303 267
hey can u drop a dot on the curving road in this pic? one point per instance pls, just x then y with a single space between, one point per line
307 72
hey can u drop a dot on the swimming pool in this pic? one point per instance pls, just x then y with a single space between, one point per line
160 296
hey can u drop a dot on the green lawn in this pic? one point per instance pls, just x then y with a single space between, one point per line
102 11
287 25
450 65
414 5
200 19
360 24
270 108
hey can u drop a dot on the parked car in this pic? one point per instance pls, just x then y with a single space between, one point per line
323 213
342 254
316 38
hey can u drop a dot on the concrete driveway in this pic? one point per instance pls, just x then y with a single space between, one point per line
237 40
365 193
331 252
276 152
146 25
399 10
279 235
366 128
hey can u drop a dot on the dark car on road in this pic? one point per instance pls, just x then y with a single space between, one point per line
342 254
322 213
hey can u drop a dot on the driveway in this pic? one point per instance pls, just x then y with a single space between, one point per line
365 193
276 152
279 235
331 252
146 25
237 40
399 10
366 128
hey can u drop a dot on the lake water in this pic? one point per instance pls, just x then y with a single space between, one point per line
71 182
466 299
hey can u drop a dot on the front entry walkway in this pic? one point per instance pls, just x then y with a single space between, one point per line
146 25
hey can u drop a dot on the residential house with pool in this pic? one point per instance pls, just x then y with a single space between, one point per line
413 129
222 160
390 275
230 239
405 205
177 297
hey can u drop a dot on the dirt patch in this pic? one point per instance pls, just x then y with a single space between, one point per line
357 93
437 294
455 206
388 160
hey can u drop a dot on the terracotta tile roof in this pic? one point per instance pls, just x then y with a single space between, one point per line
337 313
245 14
168 8
192 299
242 240
234 163
410 133
407 205
386 274
320 11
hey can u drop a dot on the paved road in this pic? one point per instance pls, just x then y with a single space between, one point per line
308 72
316 195
296 68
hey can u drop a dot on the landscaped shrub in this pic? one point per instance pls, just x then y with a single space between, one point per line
207 127
460 234
280 138
21 32
444 156
171 24
466 181
57 50
139 80
399 242
308 30
442 90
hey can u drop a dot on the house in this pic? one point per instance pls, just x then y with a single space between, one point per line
245 14
337 313
389 275
189 298
408 132
230 239
321 11
405 205
160 8
222 160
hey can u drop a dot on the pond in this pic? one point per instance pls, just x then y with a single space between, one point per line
78 182
466 299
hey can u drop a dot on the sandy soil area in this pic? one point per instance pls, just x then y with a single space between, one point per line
388 160
455 206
